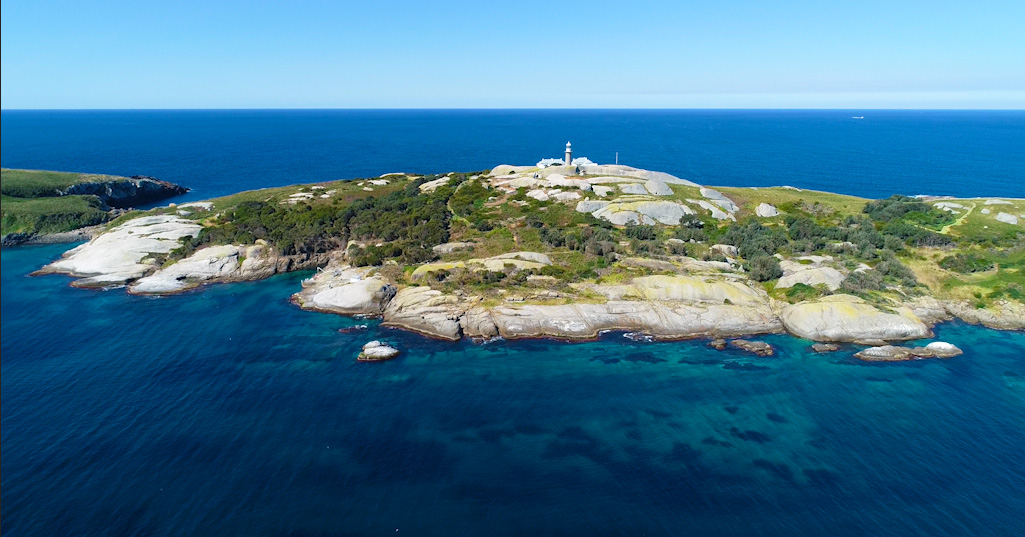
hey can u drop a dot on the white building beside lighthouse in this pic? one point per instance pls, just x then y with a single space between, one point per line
568 160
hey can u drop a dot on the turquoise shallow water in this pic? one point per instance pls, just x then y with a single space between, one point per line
228 411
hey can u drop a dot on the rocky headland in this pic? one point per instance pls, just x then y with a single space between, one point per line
42 207
570 252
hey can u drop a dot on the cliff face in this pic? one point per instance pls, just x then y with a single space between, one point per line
124 193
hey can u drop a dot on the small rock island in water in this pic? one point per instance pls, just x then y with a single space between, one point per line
568 249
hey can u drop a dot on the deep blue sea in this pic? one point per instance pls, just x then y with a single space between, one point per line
958 153
229 411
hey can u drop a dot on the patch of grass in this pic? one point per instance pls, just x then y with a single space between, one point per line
43 184
800 292
748 198
985 229
50 215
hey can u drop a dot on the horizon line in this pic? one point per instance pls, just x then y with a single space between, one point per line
639 109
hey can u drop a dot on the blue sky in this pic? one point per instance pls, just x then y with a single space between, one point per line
522 54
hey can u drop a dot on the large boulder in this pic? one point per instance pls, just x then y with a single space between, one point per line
346 290
846 318
508 169
431 186
1007 218
891 353
427 311
632 188
828 276
713 209
1001 314
764 210
658 188
375 351
636 211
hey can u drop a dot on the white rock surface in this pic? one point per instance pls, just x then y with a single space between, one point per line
431 186
1007 218
765 210
716 212
632 188
230 262
526 256
342 289
449 247
851 319
590 206
623 212
943 349
116 257
567 196
828 276
727 250
557 180
627 171
507 169
998 202
657 188
985 211
427 311
602 190
538 194
375 351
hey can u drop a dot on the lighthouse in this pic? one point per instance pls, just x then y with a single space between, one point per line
569 154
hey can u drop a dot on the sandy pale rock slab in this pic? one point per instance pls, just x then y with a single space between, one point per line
117 256
846 318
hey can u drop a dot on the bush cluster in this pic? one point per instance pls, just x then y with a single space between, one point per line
966 263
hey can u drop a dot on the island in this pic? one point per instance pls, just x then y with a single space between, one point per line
42 206
570 249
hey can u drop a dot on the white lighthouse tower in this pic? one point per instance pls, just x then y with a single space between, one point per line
569 154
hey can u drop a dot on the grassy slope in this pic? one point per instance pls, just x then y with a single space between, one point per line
30 203
50 215
983 236
749 198
39 183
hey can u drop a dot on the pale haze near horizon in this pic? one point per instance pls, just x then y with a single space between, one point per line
527 54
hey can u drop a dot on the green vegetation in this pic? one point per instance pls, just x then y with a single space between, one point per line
966 263
32 202
43 184
763 268
890 249
51 215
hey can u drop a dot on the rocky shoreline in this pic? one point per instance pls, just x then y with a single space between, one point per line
127 256
664 307
677 308
671 295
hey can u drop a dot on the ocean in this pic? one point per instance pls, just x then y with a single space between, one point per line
229 411
958 153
